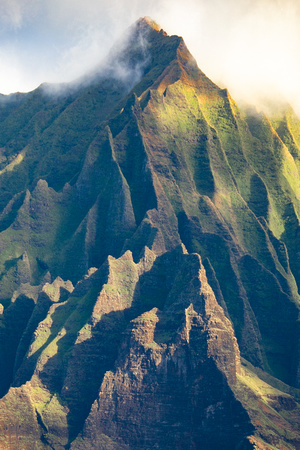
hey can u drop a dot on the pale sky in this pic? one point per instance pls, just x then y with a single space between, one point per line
249 46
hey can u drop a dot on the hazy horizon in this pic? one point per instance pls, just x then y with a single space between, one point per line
250 47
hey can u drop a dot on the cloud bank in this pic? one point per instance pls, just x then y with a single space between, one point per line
249 46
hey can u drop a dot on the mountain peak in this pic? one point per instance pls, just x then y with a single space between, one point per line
145 22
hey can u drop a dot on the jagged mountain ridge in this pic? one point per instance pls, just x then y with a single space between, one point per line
169 192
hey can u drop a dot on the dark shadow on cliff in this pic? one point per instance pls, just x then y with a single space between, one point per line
217 251
181 400
75 372
266 333
258 201
291 238
13 324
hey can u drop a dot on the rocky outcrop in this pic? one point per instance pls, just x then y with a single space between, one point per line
160 393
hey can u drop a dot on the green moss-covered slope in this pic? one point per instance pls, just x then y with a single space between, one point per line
149 237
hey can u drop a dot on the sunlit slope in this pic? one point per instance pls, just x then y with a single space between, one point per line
201 152
173 218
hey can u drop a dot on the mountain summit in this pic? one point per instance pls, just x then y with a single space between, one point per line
149 286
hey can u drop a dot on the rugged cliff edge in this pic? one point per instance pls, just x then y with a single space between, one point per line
149 261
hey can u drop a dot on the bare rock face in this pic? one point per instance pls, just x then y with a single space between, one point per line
171 384
18 421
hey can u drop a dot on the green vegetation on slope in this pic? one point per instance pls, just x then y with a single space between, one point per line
122 186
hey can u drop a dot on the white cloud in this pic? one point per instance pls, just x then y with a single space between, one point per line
13 13
249 46
10 73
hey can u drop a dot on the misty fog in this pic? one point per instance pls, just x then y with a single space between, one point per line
249 46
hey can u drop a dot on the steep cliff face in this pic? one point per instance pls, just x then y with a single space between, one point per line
161 392
149 237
